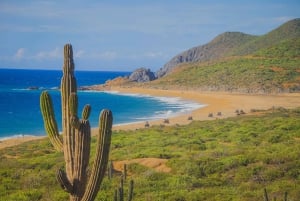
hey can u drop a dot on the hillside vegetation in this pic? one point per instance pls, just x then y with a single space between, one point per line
239 62
270 70
288 31
223 45
225 159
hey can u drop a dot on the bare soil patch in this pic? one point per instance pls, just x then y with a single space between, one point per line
157 164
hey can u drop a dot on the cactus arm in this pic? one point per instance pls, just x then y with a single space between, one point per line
81 148
81 156
49 120
73 107
73 104
86 112
64 182
68 86
101 158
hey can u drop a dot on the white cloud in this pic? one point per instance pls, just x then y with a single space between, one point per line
79 54
19 54
96 55
154 54
283 19
52 54
117 32
106 55
31 9
109 55
57 53
57 17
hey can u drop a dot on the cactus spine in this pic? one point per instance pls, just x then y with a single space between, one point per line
76 137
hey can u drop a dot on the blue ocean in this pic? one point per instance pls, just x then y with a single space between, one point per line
20 108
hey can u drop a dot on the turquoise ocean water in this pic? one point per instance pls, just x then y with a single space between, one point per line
20 111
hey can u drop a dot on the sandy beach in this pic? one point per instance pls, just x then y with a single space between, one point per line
216 102
225 103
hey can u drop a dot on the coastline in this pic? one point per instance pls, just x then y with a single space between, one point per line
215 102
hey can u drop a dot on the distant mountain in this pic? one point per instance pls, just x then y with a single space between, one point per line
233 44
219 47
237 62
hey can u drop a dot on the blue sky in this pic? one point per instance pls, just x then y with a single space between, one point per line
125 35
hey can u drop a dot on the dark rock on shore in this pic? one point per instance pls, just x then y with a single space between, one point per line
142 75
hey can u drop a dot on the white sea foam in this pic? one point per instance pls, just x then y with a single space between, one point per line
176 101
129 123
17 136
89 91
175 105
22 89
128 94
35 89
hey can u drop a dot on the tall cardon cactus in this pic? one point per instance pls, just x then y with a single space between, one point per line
76 137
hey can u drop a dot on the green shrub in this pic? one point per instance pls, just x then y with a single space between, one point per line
227 169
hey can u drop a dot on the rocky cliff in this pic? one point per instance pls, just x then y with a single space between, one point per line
219 47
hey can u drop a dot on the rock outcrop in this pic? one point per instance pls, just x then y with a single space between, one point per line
142 75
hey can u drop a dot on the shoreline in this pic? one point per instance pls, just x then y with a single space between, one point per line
214 102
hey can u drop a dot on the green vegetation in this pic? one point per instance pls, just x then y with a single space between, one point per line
288 31
238 62
270 70
241 74
225 159
285 49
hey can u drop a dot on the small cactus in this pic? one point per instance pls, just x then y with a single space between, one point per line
125 172
119 192
110 170
266 196
76 137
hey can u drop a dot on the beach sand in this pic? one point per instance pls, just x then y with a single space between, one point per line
225 103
